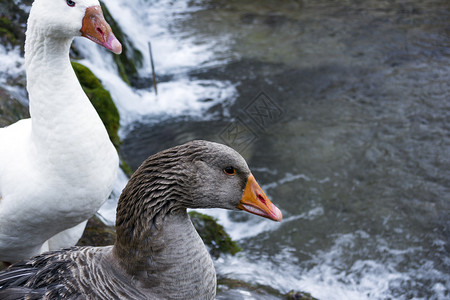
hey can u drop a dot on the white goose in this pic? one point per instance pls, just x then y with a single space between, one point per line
57 168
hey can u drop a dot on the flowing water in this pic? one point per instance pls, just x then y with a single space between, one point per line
341 109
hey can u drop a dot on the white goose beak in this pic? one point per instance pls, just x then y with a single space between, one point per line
98 30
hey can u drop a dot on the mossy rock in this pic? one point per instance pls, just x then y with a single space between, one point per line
294 295
6 34
97 233
213 235
131 58
256 289
101 100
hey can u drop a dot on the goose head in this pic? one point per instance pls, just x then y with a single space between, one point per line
198 174
65 19
222 179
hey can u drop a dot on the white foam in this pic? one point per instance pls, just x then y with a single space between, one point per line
173 55
172 49
257 224
12 67
325 276
288 177
12 63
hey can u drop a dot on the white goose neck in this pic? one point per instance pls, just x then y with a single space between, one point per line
50 77
61 113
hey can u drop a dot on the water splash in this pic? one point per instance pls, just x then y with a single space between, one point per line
174 55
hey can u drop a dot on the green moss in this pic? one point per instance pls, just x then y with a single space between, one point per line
131 58
8 33
5 22
101 100
87 79
8 36
213 235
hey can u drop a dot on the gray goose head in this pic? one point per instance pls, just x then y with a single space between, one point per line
198 174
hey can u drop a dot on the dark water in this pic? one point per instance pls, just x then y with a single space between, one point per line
343 113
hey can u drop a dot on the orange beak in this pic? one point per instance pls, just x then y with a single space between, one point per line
98 30
255 201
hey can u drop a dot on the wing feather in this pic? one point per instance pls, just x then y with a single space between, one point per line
42 277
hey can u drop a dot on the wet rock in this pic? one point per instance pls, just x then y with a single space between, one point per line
228 288
146 82
248 18
226 285
293 295
2 266
97 233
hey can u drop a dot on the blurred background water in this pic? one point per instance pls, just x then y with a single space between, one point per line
341 109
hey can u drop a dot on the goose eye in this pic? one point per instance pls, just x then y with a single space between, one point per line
70 3
229 170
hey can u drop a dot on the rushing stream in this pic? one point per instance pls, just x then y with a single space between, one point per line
342 109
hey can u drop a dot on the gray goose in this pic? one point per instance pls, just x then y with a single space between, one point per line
158 253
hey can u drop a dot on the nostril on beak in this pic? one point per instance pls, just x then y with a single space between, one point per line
261 198
99 30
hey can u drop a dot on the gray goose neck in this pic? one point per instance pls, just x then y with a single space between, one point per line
156 241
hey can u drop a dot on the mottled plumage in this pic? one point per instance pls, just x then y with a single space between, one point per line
158 253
